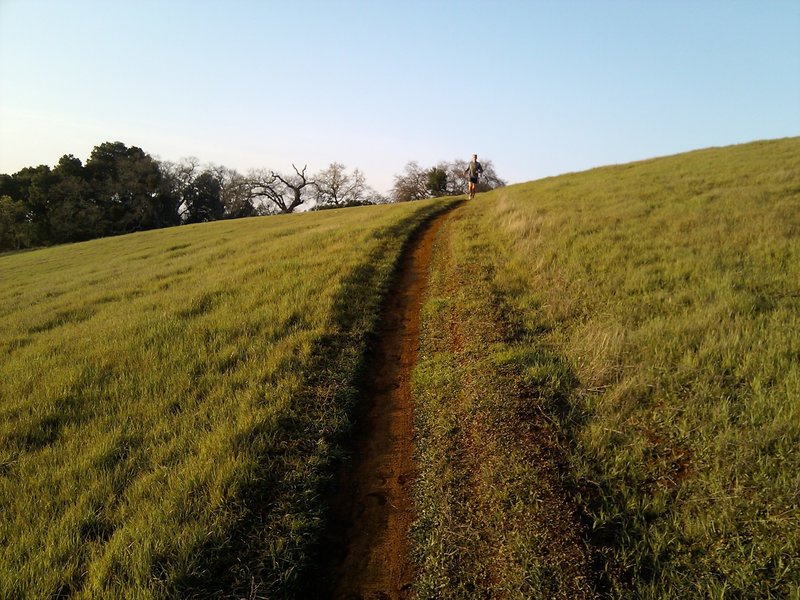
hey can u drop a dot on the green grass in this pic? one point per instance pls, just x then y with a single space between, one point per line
607 392
651 313
491 519
171 401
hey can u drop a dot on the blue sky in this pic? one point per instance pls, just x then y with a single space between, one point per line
540 88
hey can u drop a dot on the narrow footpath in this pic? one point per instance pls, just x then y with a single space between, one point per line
372 509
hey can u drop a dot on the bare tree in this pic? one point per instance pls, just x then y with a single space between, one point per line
284 192
335 187
235 194
456 178
445 178
180 176
488 179
292 193
259 184
411 184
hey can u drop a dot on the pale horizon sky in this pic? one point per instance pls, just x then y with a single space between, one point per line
540 87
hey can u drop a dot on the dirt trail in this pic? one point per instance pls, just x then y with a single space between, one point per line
372 510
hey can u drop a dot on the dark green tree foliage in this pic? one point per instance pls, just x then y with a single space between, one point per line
121 189
437 182
15 230
29 186
203 199
129 187
71 214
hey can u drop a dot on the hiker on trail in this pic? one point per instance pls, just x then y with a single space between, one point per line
472 171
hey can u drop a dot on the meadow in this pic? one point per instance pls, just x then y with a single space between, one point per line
606 397
171 401
623 343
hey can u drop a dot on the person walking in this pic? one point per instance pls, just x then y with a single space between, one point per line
472 171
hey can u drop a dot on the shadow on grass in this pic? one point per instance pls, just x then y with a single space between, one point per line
551 388
273 551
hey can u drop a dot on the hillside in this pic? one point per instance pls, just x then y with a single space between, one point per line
607 395
171 401
605 374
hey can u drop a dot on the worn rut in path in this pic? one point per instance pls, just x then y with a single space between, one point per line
372 510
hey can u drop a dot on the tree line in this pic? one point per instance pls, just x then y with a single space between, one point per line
443 179
122 189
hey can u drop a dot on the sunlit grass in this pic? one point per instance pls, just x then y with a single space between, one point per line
491 522
669 291
170 401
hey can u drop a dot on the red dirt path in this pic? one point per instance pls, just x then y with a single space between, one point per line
372 509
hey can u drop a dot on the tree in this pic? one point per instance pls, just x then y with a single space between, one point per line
456 179
445 179
72 215
31 186
15 230
118 190
412 184
437 181
234 193
203 199
9 186
177 178
284 192
52 201
129 187
488 179
335 187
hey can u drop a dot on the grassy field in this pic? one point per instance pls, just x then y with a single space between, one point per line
640 357
607 395
170 401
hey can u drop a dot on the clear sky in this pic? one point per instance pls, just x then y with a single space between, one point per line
538 87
